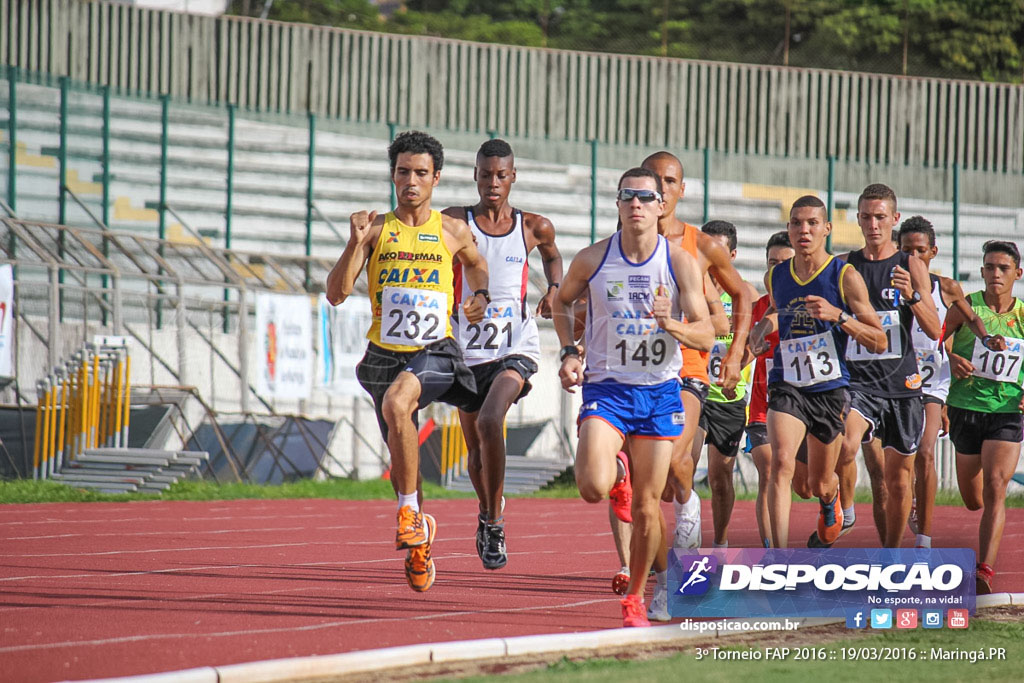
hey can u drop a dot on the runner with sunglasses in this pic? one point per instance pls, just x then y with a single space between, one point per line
638 288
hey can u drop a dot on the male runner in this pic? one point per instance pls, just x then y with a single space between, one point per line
777 251
638 287
411 359
885 387
986 399
724 416
503 350
808 395
917 237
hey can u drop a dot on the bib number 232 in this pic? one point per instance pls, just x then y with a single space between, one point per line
412 317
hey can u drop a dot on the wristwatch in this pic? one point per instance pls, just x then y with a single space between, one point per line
570 350
915 298
484 293
843 318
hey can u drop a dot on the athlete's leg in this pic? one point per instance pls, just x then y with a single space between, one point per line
821 467
926 480
875 462
622 533
856 426
785 433
998 463
898 471
399 405
473 457
723 495
800 486
651 458
595 459
490 424
762 457
969 479
683 462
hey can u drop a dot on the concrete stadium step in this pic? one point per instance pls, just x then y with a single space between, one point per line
522 474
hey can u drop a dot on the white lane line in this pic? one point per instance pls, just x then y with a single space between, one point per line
296 629
124 534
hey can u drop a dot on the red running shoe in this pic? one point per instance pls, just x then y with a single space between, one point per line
621 494
634 613
983 578
620 582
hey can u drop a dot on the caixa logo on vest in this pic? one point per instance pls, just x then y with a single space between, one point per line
775 582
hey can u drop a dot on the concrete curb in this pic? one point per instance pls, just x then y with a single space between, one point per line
367 661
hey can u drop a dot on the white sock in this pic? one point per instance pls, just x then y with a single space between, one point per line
624 570
719 545
661 578
922 541
849 514
410 499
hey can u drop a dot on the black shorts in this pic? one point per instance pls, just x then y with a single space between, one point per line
824 412
897 422
439 367
757 432
968 429
724 424
485 374
695 387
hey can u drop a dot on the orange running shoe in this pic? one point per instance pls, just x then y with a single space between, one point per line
830 521
620 582
621 494
634 613
410 529
419 567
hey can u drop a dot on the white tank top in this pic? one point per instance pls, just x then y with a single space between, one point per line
508 327
932 362
624 343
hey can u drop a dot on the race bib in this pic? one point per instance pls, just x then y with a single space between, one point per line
638 345
769 365
496 335
810 360
715 358
1000 366
929 361
412 317
893 337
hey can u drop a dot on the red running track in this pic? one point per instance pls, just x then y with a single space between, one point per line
115 589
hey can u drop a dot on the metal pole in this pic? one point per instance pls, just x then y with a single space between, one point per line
229 207
392 131
593 190
62 182
12 138
162 212
831 198
956 221
243 348
309 193
105 209
707 185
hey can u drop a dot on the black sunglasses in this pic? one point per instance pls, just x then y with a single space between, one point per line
626 194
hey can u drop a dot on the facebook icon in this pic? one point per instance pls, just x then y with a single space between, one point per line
856 619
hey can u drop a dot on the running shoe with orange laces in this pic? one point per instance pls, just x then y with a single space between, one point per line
634 612
983 578
621 494
830 521
410 529
419 567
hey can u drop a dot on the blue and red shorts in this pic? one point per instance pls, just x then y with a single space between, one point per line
645 411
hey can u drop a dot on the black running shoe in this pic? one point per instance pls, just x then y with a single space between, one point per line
493 555
481 537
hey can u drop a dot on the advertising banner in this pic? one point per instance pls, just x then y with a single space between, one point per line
284 346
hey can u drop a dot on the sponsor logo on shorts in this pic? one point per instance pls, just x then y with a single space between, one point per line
614 290
913 381
427 237
679 418
589 406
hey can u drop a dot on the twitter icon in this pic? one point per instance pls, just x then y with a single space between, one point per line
881 618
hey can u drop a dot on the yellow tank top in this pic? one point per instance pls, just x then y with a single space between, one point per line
410 285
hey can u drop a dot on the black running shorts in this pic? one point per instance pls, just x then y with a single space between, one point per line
486 373
724 424
695 387
439 367
824 412
897 422
968 429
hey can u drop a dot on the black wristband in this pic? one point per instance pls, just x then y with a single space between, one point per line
570 350
556 285
484 293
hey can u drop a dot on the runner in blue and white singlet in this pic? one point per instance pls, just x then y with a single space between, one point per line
932 363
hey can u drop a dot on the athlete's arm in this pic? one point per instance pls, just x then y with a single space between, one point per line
866 328
719 319
697 332
959 367
953 295
757 341
917 280
364 229
459 240
726 275
541 233
574 285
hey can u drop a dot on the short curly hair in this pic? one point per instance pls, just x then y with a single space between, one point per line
416 142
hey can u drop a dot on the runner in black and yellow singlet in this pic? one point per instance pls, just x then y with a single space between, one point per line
411 359
986 399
